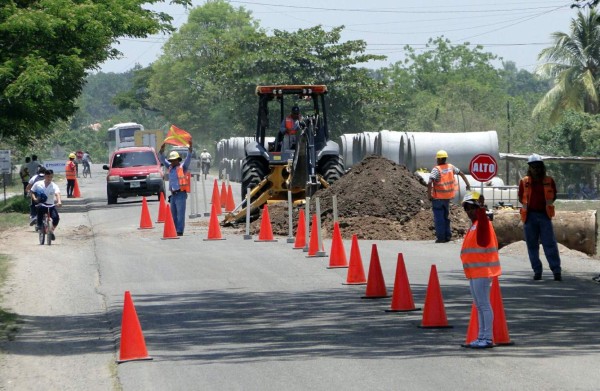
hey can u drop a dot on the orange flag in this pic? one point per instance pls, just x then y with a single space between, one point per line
178 137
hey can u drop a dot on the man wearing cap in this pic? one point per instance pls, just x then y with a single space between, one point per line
537 193
290 127
71 174
179 184
480 260
441 189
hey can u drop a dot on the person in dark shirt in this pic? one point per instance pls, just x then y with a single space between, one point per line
537 193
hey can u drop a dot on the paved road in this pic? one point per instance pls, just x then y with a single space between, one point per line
241 315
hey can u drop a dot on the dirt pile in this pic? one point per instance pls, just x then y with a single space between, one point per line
376 200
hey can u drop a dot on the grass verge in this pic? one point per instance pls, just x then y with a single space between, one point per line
8 320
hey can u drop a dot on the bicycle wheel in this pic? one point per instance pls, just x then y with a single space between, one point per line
42 234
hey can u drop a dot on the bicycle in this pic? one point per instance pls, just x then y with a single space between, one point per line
86 170
205 168
46 233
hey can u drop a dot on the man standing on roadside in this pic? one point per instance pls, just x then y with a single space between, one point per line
24 174
441 189
537 193
33 166
179 184
71 174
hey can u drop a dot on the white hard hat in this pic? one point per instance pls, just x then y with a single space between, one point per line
174 156
534 158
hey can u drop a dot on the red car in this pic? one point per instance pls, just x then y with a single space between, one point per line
133 171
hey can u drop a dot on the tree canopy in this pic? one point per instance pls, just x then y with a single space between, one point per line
48 47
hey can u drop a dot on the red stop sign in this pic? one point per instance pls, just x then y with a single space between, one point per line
483 167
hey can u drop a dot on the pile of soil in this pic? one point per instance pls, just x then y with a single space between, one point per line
376 200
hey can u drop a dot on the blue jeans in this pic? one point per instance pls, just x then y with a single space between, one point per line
178 201
538 228
441 209
480 290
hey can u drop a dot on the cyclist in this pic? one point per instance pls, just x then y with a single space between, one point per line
49 190
205 159
87 160
32 209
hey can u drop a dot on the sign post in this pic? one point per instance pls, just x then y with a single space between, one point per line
4 168
483 168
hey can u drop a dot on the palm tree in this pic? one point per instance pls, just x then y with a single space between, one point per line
574 64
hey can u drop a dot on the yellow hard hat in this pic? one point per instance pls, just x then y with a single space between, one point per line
472 198
72 155
441 154
174 156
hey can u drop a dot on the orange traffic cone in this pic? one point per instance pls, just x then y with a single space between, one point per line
266 232
337 258
76 192
500 327
230 204
162 207
375 283
402 298
223 194
169 231
473 329
216 198
214 229
313 245
133 345
356 272
145 220
434 313
300 242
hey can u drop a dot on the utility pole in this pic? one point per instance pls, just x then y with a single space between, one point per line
508 141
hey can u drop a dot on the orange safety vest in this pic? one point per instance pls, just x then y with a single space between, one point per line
184 179
446 187
548 195
289 124
70 170
480 262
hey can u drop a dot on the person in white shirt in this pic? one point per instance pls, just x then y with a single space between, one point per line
32 209
50 191
205 159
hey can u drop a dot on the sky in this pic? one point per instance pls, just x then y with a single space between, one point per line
514 30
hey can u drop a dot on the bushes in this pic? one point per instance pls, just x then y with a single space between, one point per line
15 204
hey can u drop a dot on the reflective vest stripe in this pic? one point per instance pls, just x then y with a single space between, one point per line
480 264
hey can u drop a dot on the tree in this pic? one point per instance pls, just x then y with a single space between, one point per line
48 47
572 62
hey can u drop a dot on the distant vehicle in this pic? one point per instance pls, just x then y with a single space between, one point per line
133 171
122 135
149 138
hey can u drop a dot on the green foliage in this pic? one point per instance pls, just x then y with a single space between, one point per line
572 63
15 204
47 49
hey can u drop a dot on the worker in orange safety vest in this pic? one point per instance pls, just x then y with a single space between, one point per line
480 260
71 174
179 184
290 127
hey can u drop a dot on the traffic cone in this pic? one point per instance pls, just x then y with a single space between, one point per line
162 207
375 283
337 257
402 298
266 232
223 194
216 198
313 245
169 231
145 220
230 204
214 229
133 345
500 327
434 313
356 272
300 242
473 329
76 192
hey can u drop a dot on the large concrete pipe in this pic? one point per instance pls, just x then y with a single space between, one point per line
368 143
347 144
461 148
387 144
357 153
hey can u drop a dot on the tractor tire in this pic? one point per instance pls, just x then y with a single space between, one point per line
254 170
331 168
